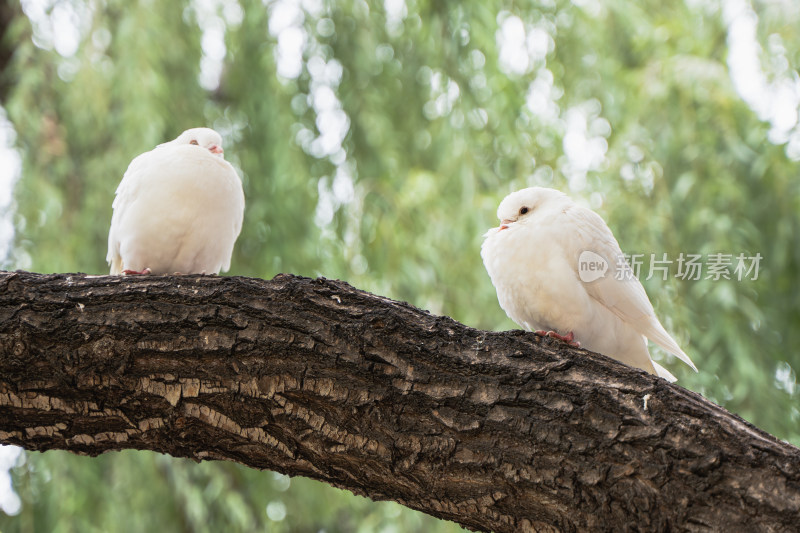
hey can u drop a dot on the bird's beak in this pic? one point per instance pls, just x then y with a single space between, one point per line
504 224
215 149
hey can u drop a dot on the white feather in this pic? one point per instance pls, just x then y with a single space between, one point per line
532 260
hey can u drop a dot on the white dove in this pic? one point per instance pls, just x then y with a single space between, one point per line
178 208
533 260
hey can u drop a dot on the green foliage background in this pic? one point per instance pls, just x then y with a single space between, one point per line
439 127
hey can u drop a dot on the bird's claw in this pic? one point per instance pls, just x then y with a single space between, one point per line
129 272
569 338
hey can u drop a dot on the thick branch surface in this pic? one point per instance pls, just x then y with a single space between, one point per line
496 431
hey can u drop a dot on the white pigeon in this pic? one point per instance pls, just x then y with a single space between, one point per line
178 208
533 259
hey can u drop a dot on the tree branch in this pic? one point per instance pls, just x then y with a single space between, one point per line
496 431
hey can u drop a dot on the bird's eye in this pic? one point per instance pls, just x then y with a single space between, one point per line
193 142
523 210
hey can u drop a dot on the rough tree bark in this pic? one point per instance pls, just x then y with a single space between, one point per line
496 431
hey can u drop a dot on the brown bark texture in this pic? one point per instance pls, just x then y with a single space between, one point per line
502 431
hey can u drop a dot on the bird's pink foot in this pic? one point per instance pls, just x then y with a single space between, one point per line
569 338
136 272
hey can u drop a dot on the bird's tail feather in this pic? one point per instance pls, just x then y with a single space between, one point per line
659 335
116 265
664 373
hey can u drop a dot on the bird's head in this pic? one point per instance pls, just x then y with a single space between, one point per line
202 137
519 206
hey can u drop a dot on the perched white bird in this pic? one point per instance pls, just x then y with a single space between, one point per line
557 267
179 208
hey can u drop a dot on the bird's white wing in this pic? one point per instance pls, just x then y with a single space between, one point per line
618 290
126 192
236 213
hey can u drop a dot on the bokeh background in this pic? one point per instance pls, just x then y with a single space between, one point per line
375 140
